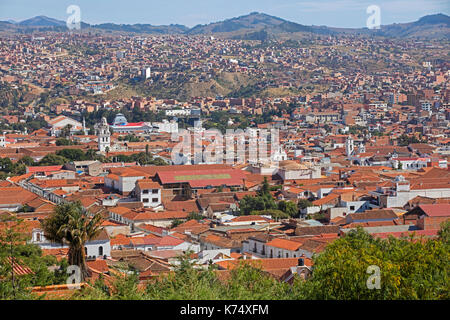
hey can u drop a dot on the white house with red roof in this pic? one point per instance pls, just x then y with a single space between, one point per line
60 122
148 192
99 247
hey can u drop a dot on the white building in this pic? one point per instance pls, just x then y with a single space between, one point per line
291 170
146 72
426 106
401 193
104 136
99 247
60 122
409 163
122 183
349 147
2 141
166 126
148 192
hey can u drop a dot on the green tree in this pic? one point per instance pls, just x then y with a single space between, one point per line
70 224
444 232
126 288
11 285
27 160
14 250
195 216
6 165
275 213
304 203
288 207
409 269
263 201
65 132
72 154
176 223
265 188
64 142
52 159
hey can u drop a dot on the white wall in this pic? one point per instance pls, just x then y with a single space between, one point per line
403 197
150 196
91 246
281 253
127 184
358 206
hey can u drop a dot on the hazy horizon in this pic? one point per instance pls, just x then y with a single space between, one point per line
337 13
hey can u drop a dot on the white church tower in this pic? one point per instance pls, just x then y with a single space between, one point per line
3 140
349 146
104 136
85 130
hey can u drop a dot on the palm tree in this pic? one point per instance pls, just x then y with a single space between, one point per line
71 225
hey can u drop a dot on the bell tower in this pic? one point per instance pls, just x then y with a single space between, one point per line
349 146
104 136
3 141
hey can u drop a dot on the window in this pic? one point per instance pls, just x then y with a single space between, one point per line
254 249
100 251
155 200
38 237
145 191
352 207
155 191
287 255
271 253
145 200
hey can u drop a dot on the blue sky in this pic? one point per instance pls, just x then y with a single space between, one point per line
336 13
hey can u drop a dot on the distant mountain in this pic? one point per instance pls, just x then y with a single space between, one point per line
46 23
431 26
7 26
250 22
433 19
260 26
253 26
42 21
143 28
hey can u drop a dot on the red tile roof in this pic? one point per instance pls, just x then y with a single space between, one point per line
43 169
203 178
436 210
98 265
284 244
18 268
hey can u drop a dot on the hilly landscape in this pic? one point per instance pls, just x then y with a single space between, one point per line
253 26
